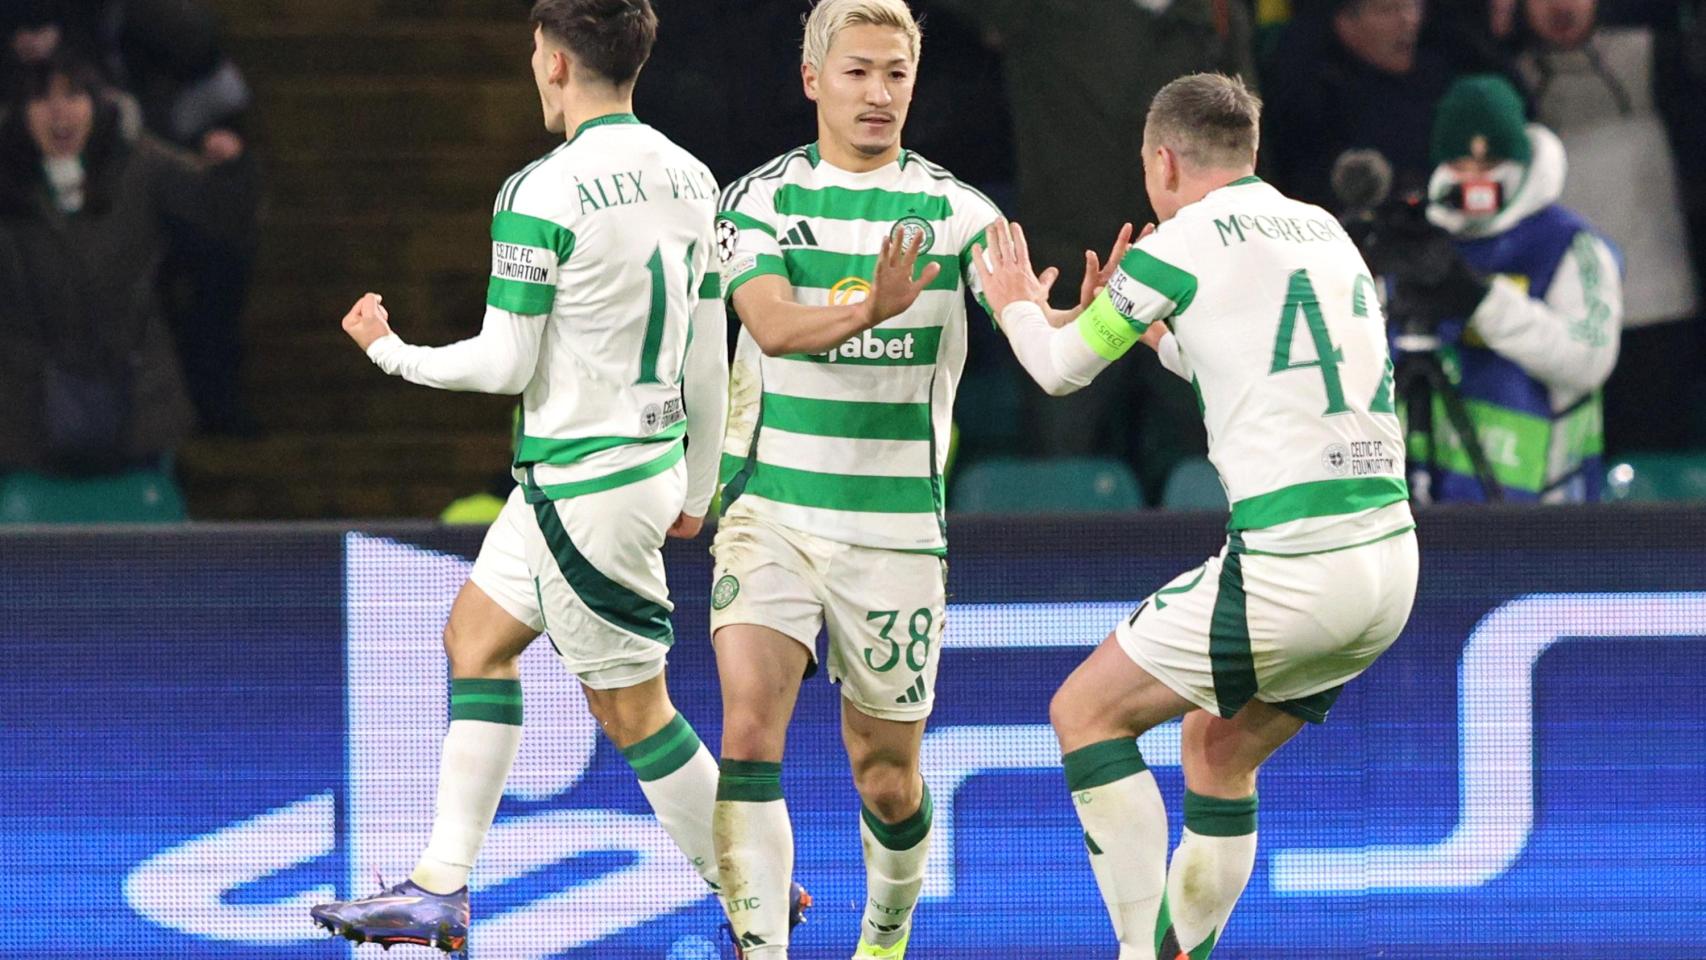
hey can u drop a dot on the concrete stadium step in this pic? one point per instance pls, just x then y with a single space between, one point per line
307 475
297 329
384 456
466 49
314 250
385 128
333 15
390 406
450 183
372 118
280 498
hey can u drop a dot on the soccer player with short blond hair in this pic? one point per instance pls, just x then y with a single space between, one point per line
847 261
1267 308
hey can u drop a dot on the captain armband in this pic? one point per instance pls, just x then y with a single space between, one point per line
1106 330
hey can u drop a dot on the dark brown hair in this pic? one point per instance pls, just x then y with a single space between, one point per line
611 38
21 173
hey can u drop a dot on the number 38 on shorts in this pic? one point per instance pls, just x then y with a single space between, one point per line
882 609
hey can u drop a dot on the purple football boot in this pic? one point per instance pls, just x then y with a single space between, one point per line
404 913
798 901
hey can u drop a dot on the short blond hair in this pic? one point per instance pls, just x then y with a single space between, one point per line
830 17
1208 119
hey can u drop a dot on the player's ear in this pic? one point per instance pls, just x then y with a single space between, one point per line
1169 167
808 81
559 67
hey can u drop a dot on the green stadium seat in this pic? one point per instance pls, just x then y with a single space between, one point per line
1194 484
1067 485
1657 477
135 496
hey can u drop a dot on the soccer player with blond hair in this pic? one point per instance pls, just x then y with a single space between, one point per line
1267 308
847 261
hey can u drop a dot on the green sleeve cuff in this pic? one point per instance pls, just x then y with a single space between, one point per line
763 265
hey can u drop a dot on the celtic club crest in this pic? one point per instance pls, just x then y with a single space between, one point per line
914 229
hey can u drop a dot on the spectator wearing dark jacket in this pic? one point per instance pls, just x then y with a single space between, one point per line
1356 74
89 378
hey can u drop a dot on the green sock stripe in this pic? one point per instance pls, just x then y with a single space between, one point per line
1102 763
1202 950
509 688
493 701
906 834
1215 817
749 781
509 713
1163 923
664 752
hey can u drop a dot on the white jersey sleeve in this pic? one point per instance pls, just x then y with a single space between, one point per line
1145 289
705 383
974 218
748 241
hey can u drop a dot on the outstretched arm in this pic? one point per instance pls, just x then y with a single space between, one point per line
501 359
1064 353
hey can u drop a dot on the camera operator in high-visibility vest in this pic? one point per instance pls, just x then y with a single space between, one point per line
1529 306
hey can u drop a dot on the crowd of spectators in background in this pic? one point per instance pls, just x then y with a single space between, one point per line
1041 105
128 188
127 231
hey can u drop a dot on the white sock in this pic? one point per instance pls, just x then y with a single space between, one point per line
679 778
894 872
1104 881
485 732
1210 868
1120 808
755 855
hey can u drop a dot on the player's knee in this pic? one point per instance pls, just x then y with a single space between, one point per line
1066 713
1220 777
469 657
753 736
891 791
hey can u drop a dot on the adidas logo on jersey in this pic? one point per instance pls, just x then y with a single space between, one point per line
800 236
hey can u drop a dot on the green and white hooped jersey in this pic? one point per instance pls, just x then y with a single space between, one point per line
1280 332
611 235
849 444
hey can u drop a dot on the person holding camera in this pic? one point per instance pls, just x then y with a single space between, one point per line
1526 299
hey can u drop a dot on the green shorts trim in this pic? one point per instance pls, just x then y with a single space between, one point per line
1229 636
608 600
1313 708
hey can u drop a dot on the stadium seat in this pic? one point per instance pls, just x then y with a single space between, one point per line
1070 485
1657 478
1194 484
135 496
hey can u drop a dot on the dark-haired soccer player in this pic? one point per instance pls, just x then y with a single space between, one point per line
604 313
